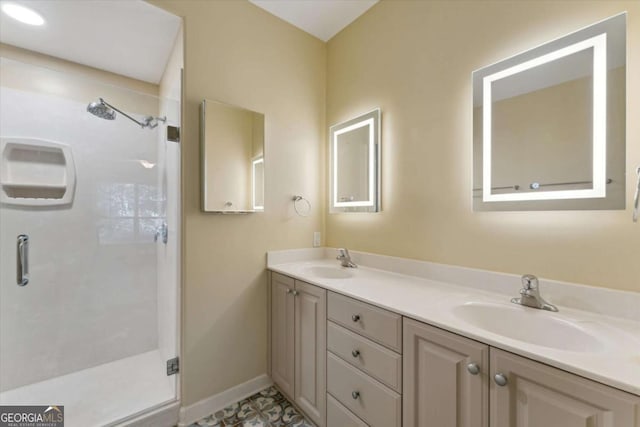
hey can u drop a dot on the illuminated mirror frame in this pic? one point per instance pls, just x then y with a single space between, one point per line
599 46
372 204
607 40
254 163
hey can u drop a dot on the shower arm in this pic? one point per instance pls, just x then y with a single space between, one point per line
142 124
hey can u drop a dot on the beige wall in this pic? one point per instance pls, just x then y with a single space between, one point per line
239 54
414 60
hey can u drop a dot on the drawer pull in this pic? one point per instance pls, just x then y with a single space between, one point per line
355 353
473 368
355 317
355 395
500 379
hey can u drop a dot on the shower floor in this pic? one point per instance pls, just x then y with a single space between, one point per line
103 394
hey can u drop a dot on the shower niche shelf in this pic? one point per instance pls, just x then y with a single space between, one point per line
36 172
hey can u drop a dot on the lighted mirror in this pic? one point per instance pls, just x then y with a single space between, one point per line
549 124
232 141
355 164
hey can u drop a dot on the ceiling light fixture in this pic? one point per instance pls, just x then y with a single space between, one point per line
22 14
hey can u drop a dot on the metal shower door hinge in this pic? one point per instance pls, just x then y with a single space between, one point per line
173 133
173 366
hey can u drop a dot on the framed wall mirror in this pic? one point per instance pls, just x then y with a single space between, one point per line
232 143
549 124
355 164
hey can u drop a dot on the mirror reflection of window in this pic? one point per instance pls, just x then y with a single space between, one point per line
129 213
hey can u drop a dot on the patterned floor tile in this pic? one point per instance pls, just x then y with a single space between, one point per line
267 408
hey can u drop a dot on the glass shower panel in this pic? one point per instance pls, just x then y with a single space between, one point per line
84 332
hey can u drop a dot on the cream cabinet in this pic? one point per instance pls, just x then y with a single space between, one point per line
450 380
525 393
346 363
445 378
298 344
364 364
282 332
339 416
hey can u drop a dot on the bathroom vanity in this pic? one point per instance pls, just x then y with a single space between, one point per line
412 343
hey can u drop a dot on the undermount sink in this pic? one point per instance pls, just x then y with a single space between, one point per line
327 272
529 325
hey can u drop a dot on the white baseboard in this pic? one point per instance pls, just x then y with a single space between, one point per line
192 413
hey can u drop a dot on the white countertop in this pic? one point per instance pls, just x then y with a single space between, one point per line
421 297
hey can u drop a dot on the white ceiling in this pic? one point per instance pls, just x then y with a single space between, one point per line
131 38
321 18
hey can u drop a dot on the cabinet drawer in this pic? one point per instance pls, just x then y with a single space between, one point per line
374 359
376 404
380 325
339 416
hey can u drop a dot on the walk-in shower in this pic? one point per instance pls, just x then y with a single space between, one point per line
89 244
90 212
104 110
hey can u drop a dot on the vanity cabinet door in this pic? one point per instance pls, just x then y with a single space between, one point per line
537 395
441 386
311 351
282 332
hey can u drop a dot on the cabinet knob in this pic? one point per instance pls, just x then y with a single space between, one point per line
500 379
355 394
473 368
355 317
355 353
295 293
289 291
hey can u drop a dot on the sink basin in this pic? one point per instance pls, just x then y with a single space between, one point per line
530 325
327 272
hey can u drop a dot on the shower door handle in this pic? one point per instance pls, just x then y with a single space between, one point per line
22 260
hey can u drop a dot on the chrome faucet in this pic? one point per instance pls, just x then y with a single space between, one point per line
345 258
531 294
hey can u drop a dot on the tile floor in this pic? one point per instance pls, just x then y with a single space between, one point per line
268 408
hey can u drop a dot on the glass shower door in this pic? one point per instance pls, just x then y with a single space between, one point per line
83 314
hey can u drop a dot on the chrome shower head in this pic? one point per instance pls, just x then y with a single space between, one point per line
100 109
106 111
